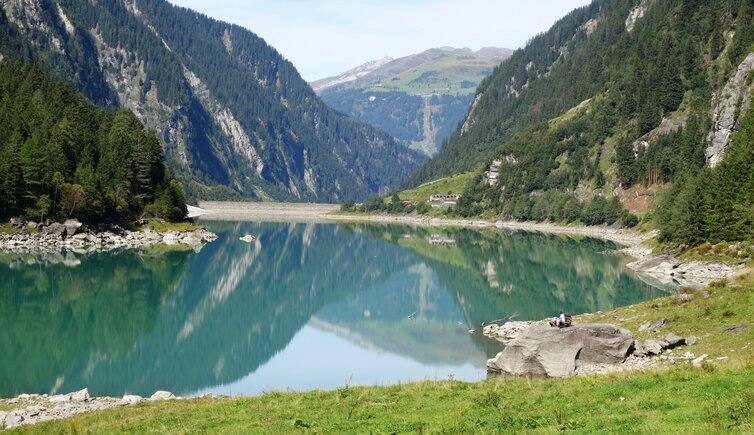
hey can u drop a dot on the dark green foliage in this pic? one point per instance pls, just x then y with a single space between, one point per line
395 112
713 205
62 158
742 39
393 205
347 206
628 220
601 211
625 158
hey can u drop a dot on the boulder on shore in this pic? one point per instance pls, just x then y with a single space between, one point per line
555 352
162 395
71 227
130 399
54 229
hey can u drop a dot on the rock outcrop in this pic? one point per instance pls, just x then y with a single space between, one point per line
553 352
730 105
637 13
162 395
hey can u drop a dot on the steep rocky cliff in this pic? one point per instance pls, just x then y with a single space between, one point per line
235 117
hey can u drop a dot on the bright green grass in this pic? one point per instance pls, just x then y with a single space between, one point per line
725 304
683 400
448 75
731 253
453 184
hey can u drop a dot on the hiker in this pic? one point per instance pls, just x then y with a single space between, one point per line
559 321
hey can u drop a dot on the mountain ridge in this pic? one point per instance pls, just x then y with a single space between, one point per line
419 99
235 117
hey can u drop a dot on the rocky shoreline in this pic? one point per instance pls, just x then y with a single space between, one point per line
76 238
28 409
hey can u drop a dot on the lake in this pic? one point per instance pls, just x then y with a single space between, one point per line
305 306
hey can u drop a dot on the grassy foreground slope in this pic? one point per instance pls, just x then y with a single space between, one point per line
682 400
716 397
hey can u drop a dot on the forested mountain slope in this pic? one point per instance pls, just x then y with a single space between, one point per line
231 112
618 95
419 99
63 158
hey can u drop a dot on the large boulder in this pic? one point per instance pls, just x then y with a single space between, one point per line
54 229
129 399
554 352
162 395
71 227
80 396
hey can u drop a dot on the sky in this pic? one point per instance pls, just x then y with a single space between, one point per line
327 37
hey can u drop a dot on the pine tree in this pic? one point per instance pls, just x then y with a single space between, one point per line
624 159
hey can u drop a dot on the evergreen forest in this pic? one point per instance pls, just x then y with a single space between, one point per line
63 158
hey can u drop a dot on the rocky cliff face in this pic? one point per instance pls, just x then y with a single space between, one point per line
235 117
729 106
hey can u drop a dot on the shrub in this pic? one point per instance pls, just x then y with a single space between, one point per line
347 206
628 219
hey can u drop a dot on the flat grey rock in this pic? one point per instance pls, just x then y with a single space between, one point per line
674 341
554 352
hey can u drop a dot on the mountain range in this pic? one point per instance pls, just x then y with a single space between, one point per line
644 102
419 99
235 118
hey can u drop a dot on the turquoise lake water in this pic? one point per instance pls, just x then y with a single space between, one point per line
306 306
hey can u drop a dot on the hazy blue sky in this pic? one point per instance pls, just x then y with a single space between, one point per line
326 37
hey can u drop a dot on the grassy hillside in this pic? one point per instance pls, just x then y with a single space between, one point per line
449 75
677 52
453 184
619 99
716 397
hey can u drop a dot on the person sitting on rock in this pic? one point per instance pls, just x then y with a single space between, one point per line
559 321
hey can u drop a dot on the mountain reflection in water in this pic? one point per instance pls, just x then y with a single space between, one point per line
303 306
